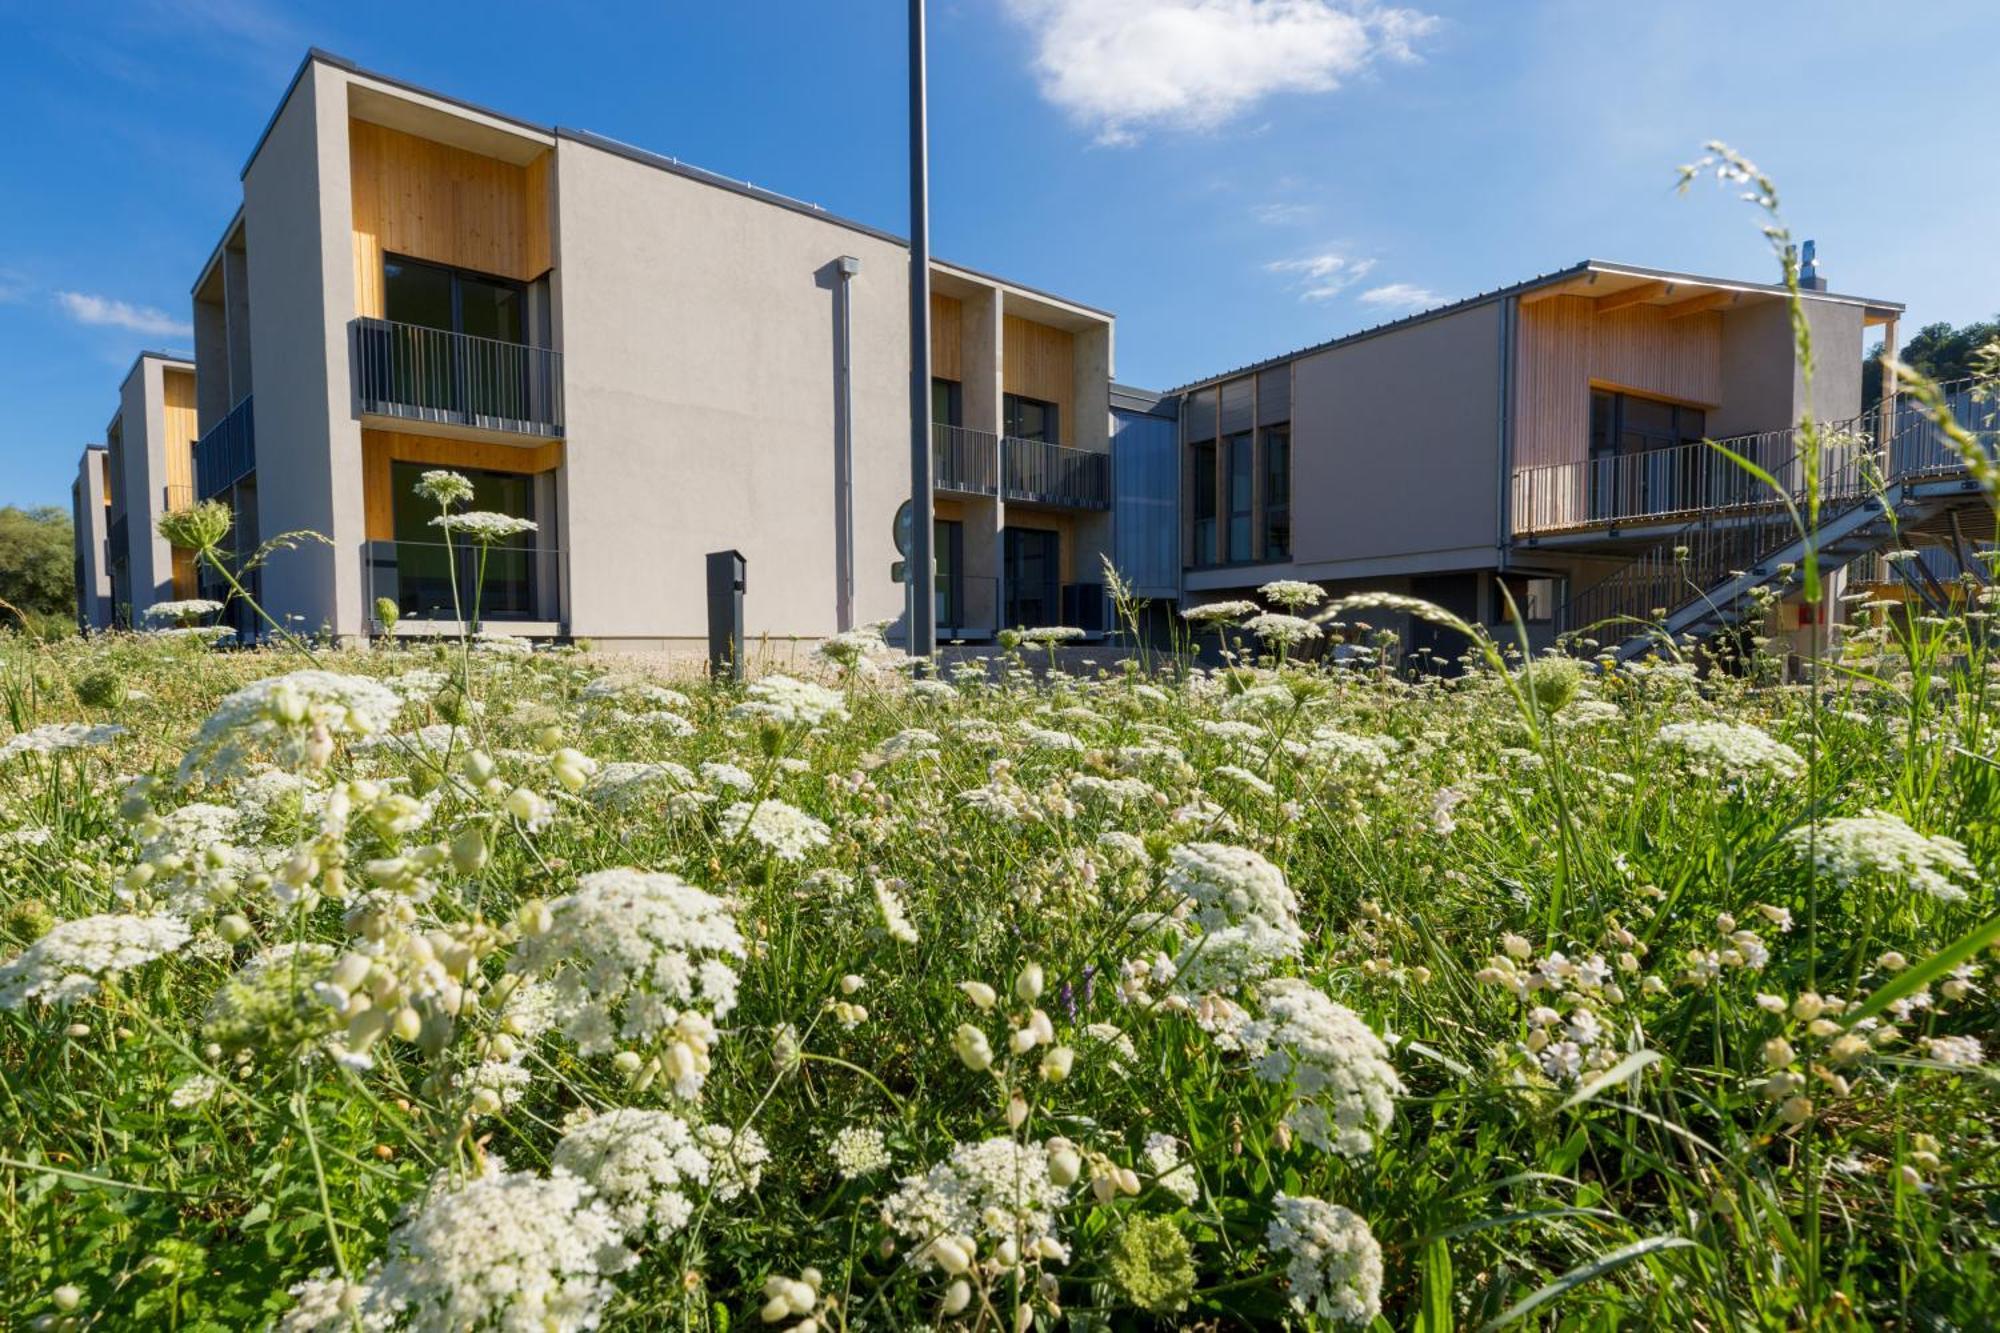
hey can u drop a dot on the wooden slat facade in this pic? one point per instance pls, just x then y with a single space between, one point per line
429 200
380 448
947 337
183 427
1566 347
1040 362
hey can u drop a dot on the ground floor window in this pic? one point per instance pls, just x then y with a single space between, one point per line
1033 576
425 565
948 552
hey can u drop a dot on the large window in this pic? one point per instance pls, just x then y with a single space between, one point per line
454 300
1032 575
1277 492
1632 471
1242 495
948 557
1031 419
1201 491
424 567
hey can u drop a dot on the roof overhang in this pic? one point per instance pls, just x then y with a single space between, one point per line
1615 287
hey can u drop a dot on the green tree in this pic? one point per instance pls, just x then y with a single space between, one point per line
37 560
1939 350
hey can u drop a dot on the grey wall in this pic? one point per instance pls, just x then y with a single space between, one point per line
143 461
298 224
93 583
1763 385
1394 442
698 362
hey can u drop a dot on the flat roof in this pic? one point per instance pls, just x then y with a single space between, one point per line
1584 274
629 151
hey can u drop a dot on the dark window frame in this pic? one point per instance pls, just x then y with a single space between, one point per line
458 275
1277 512
1010 418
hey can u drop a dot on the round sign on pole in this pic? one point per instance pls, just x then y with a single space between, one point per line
906 522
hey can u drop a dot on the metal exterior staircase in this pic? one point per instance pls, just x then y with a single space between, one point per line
1702 579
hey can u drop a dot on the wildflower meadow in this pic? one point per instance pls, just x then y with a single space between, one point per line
463 985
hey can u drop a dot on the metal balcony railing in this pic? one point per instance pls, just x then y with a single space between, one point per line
1054 474
425 374
430 581
228 453
965 461
1886 443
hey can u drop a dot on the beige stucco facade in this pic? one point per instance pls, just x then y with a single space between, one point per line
689 329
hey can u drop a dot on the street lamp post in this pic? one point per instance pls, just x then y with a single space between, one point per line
920 572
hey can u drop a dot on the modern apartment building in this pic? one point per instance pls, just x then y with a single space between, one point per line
1547 438
648 360
144 469
90 519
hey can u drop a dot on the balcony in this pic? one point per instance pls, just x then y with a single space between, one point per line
965 462
413 373
227 454
1053 474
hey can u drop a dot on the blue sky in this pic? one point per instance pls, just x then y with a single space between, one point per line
1231 177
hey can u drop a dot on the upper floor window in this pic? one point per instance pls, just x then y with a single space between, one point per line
1277 492
1031 419
947 402
1201 492
454 300
1242 495
1625 423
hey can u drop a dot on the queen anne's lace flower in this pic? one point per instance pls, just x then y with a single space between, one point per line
56 737
292 716
484 526
792 702
1285 631
66 964
642 1165
1337 1067
785 831
996 1190
1335 1263
1877 846
640 958
1212 612
1732 751
858 1150
1292 593
1247 915
507 1250
186 609
622 782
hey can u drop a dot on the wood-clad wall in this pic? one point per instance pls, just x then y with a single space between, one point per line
1040 362
380 448
947 337
183 427
429 200
1566 348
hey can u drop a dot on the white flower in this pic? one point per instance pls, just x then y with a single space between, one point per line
1217 611
1954 1050
1877 846
1342 750
193 1091
66 964
484 526
1292 593
785 831
859 1150
639 957
293 716
1732 751
622 783
55 737
1283 630
1336 1263
1338 1068
1247 915
996 1190
187 609
785 700
641 1163
895 916
506 1250
1050 634
736 1160
1113 793
718 774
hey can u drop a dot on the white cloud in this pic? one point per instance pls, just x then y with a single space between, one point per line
1283 215
1118 66
1322 277
1400 296
103 310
